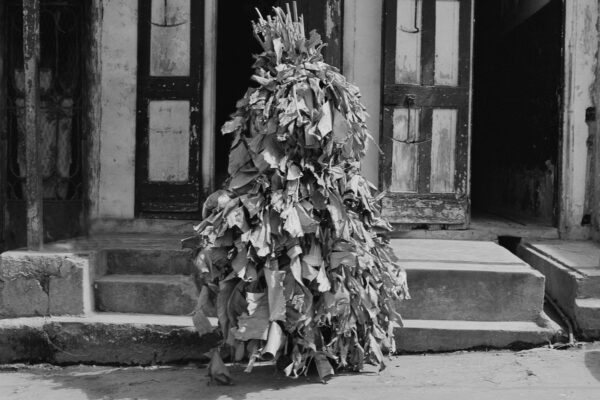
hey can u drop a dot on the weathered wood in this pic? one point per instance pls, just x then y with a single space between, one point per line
3 129
425 96
434 209
34 190
447 43
442 165
428 25
425 146
209 96
405 150
168 140
408 43
93 107
443 150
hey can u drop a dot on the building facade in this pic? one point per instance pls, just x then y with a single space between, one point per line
476 108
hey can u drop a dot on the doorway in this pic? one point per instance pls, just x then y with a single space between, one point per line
64 42
517 84
169 104
236 46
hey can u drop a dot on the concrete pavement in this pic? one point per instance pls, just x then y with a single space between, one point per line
532 374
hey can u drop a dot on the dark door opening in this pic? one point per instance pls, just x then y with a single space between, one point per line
518 69
235 47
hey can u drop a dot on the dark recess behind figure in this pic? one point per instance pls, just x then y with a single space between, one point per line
235 47
516 120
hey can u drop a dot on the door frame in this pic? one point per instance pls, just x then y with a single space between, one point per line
161 88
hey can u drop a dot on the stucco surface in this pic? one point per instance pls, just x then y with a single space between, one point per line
580 57
40 284
118 99
362 66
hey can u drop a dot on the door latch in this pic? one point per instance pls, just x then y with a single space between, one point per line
415 28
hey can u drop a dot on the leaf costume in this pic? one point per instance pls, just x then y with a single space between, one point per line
290 258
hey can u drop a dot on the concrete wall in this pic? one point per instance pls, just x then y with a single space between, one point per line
581 47
362 66
112 160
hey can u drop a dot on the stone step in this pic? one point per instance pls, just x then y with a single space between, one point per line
419 336
467 281
146 294
133 339
587 314
104 338
148 261
572 271
472 292
448 280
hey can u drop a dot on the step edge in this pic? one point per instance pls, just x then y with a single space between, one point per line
107 318
589 303
144 278
530 247
524 269
504 326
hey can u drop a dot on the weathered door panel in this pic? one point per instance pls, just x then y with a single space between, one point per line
170 56
426 96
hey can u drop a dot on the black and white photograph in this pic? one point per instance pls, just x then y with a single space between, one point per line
299 199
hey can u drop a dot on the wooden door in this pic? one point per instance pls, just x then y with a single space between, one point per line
426 113
169 114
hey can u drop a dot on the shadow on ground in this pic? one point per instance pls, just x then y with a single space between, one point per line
163 383
592 362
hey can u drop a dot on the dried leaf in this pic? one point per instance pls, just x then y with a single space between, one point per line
323 281
201 321
275 280
325 122
255 323
324 368
217 371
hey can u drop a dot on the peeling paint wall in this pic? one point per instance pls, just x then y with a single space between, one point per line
362 66
112 185
581 46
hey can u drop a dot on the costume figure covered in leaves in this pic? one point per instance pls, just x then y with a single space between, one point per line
290 258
